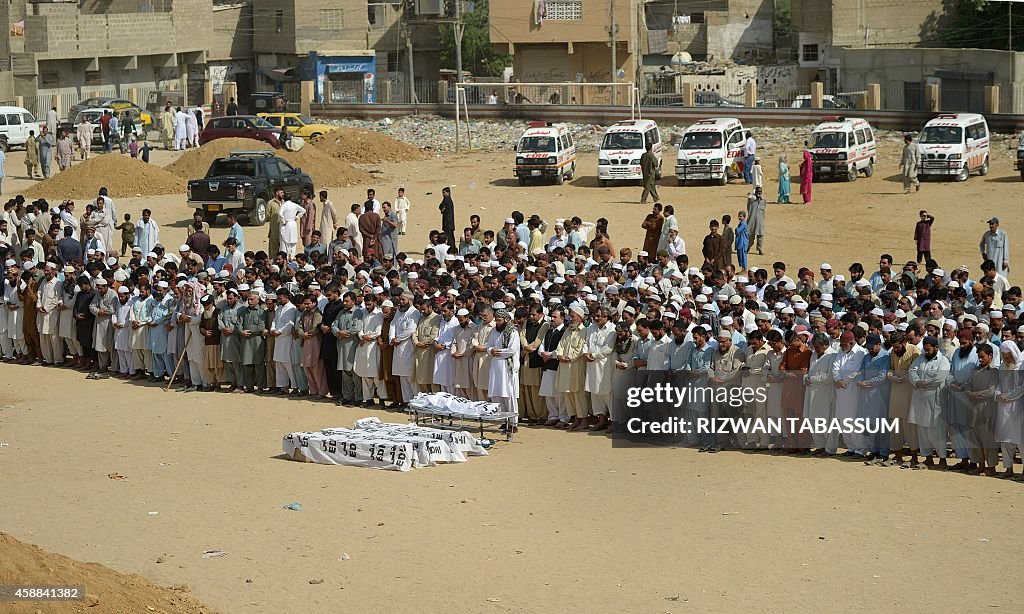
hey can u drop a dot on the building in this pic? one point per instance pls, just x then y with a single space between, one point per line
73 50
822 27
709 30
353 50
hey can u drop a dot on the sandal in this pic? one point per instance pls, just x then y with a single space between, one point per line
920 466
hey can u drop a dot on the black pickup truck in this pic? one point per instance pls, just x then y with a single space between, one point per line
244 182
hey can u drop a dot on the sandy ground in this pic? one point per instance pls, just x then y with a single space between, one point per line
553 521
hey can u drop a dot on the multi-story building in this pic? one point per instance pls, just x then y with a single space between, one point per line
100 47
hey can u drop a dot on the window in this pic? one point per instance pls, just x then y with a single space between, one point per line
13 119
292 122
809 53
869 135
564 10
222 123
392 61
280 21
332 19
3 120
92 77
49 79
860 137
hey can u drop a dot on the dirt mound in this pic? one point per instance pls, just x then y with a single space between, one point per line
325 170
366 147
107 590
122 176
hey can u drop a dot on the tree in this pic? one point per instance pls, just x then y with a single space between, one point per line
983 25
478 56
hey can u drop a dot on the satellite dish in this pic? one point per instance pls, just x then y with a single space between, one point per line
620 74
681 58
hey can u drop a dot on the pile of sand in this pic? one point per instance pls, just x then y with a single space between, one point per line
121 175
325 170
366 147
106 590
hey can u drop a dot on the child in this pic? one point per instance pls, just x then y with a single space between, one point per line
728 236
742 240
133 147
145 151
923 236
757 173
127 233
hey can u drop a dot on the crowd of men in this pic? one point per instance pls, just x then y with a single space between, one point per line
555 327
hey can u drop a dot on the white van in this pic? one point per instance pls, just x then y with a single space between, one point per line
621 148
954 144
1019 165
15 122
711 149
545 151
843 147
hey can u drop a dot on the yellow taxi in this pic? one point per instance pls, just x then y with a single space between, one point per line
298 124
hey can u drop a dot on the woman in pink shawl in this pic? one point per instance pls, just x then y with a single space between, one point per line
806 174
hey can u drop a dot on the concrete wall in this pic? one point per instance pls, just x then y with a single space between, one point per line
871 22
885 66
512 21
303 29
266 38
231 37
745 30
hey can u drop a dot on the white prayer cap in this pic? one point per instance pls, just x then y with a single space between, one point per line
838 278
953 284
413 275
498 305
706 290
602 280
724 334
378 290
569 273
90 252
308 268
669 314
493 263
688 291
649 281
123 290
452 292
9 262
948 322
314 286
545 285
578 311
735 299
778 305
903 326
586 289
554 301
642 253
900 314
50 265
223 275
877 312
231 291
938 272
721 297
151 255
750 288
591 297
530 268
790 285
559 280
1020 329
136 248
701 298
257 284
462 312
101 281
708 307
611 290
243 287
888 328
164 285
617 266
387 303
676 274
969 316
860 283
995 314
788 310
111 261
826 297
982 327
642 287
419 262
28 266
472 270
727 321
509 220
121 275
69 269
826 305
449 258
742 280
184 248
825 266
799 305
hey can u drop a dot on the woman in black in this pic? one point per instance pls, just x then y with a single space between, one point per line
85 322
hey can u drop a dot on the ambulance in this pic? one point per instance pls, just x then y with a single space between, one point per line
711 149
843 147
1019 165
621 148
954 144
545 151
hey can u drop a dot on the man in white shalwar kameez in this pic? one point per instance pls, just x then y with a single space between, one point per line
121 321
820 396
281 330
141 355
444 364
928 376
180 129
191 129
103 331
600 367
846 371
290 213
503 379
367 364
48 318
403 362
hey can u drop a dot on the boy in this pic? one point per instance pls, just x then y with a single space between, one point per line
729 237
742 240
127 233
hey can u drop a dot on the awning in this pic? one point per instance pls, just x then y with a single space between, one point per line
279 74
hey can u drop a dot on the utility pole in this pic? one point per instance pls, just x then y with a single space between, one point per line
613 30
458 29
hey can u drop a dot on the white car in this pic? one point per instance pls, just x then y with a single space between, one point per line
828 101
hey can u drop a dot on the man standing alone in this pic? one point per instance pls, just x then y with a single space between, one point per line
649 168
909 161
755 218
995 246
447 208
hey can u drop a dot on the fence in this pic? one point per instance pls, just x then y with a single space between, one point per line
545 93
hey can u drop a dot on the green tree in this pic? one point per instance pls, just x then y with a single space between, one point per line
478 56
983 25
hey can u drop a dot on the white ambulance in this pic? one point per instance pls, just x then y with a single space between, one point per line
621 148
545 151
954 144
711 149
843 147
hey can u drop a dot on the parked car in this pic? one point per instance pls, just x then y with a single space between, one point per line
244 182
243 127
828 101
297 123
267 102
117 104
94 115
15 122
712 99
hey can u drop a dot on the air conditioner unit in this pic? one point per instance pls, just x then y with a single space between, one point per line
430 7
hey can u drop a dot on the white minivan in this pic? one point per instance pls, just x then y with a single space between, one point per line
843 147
15 122
711 149
954 144
623 144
